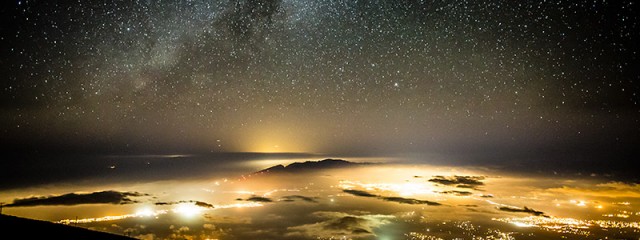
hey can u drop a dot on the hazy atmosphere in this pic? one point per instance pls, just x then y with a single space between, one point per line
96 95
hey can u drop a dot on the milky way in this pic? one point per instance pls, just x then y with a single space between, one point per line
320 76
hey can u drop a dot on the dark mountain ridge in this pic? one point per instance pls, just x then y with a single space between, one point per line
310 166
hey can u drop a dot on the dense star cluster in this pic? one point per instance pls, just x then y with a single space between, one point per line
319 76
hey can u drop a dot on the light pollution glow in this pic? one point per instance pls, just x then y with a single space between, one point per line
567 225
573 212
184 209
403 189
530 86
276 139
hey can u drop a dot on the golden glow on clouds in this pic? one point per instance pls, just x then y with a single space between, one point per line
146 212
403 189
609 190
188 210
239 205
572 209
184 209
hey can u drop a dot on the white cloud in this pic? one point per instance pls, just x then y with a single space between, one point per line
340 224
149 236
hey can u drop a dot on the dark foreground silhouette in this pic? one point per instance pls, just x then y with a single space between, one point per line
22 228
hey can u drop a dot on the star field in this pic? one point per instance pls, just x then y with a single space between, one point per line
320 76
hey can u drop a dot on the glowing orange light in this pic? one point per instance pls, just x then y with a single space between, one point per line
188 210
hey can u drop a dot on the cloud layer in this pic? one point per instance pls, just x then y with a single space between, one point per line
459 181
340 224
361 193
104 197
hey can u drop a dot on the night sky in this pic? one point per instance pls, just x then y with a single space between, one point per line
493 79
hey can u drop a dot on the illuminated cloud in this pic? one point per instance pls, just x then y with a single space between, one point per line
197 203
459 181
148 236
182 232
104 197
457 193
292 198
340 224
214 218
361 193
410 201
259 199
610 190
203 204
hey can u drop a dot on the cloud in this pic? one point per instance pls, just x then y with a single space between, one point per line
227 219
259 199
104 197
197 203
361 193
210 231
410 201
182 232
459 181
208 226
149 236
523 210
340 224
349 223
203 204
610 190
457 193
292 198
468 205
